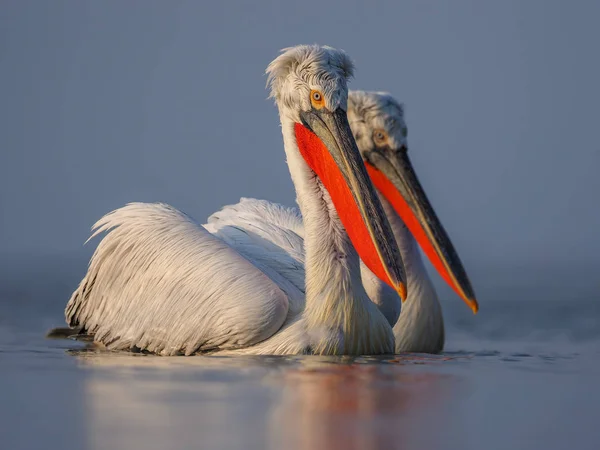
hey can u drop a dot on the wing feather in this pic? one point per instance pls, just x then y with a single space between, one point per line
160 282
274 235
267 233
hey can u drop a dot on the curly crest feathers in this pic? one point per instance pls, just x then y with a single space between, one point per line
365 104
369 111
315 66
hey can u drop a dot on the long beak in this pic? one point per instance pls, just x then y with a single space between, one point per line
327 145
394 176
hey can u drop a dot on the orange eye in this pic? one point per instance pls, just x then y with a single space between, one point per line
380 137
317 99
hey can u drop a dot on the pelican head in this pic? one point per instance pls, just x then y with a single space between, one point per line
380 131
309 85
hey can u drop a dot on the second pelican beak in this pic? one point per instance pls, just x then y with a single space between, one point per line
393 175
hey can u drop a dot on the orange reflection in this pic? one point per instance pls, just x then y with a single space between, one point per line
263 402
351 407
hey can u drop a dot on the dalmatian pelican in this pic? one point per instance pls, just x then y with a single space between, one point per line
379 128
161 283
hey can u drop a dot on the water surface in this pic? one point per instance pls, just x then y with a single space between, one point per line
521 375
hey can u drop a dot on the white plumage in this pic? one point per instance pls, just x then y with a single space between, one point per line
420 327
162 283
253 225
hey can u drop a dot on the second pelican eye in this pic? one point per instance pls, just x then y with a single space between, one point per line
317 99
380 137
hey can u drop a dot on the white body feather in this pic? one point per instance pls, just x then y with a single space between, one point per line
419 327
162 283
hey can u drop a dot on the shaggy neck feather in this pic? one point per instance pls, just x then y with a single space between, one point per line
420 326
340 317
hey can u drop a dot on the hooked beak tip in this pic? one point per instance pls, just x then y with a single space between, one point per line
473 305
401 289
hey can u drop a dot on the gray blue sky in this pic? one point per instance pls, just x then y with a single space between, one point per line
104 103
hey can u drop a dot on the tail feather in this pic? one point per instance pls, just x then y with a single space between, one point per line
63 332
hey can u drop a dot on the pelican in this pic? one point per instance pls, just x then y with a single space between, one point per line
161 283
379 128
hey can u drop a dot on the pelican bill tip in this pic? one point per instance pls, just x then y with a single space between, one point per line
473 305
401 290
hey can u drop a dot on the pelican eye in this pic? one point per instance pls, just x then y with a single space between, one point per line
317 99
380 137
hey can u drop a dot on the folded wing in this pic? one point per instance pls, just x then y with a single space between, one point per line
267 233
160 282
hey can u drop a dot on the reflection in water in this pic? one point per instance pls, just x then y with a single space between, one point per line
348 407
258 402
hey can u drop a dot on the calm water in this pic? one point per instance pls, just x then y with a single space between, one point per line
523 374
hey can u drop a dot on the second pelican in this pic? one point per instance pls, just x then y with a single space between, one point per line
378 125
